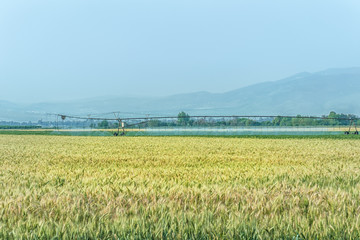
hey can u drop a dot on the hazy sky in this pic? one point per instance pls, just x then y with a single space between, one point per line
68 49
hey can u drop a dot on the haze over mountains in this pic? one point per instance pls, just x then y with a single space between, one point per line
304 93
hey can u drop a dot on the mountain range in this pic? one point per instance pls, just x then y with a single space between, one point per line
303 93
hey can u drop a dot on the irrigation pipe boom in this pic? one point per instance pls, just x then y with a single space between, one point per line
122 121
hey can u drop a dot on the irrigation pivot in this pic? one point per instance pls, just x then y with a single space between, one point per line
224 124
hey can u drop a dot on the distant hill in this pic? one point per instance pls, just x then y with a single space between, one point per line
304 93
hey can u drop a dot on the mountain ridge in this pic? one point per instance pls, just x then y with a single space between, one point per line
318 93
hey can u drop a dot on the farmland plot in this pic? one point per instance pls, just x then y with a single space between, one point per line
178 187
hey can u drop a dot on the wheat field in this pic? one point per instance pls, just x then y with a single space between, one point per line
60 187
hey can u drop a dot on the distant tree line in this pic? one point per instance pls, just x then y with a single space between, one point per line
184 119
19 127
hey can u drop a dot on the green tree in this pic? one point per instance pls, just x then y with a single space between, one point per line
276 121
103 124
183 118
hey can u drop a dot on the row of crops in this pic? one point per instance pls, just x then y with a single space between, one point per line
178 187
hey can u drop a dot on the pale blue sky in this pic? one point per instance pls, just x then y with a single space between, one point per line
68 49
